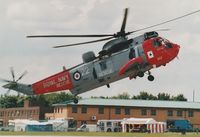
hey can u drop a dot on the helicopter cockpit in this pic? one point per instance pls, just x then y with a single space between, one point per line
123 43
157 42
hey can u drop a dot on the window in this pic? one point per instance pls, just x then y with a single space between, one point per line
143 112
58 110
190 113
1 114
153 112
61 111
170 112
156 42
33 112
118 110
103 65
101 110
127 111
84 109
101 126
179 113
109 124
74 109
132 53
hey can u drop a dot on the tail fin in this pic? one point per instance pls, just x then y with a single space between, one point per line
19 87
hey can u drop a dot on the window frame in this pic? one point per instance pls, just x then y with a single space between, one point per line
117 110
179 113
143 112
153 112
74 109
170 113
127 111
84 110
101 110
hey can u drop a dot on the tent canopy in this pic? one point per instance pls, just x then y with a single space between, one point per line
138 121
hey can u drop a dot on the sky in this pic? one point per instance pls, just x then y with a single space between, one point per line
19 18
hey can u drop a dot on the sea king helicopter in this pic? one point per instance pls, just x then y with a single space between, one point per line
121 57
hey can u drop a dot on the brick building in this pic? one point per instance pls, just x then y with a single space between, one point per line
35 112
91 110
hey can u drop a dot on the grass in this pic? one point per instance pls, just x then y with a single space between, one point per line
96 134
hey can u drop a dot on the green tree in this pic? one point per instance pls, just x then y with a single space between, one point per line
8 101
179 97
144 96
123 95
163 96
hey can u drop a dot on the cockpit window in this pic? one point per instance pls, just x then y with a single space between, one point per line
157 42
167 43
162 42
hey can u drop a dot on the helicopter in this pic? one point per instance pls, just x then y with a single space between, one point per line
120 57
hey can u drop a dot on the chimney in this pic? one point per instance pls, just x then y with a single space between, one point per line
26 103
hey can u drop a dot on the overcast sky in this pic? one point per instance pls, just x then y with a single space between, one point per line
19 18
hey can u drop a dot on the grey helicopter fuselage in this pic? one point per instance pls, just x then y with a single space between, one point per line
96 72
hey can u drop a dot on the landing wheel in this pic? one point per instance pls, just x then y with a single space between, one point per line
141 74
75 100
150 78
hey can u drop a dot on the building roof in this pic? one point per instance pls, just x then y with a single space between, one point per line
135 103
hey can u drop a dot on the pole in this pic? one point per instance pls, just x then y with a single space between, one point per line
193 94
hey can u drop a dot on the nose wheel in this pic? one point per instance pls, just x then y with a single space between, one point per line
150 77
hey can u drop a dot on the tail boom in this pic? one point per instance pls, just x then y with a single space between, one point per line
57 82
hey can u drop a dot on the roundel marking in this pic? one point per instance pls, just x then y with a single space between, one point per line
77 75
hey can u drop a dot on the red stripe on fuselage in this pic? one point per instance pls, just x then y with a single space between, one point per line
57 82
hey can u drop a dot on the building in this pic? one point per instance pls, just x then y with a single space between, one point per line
34 112
91 110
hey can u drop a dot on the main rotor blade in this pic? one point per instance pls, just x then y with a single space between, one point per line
61 36
124 20
162 30
177 18
23 74
5 80
94 41
12 73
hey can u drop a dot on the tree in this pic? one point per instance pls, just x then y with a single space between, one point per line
124 95
41 100
8 101
163 96
179 97
144 96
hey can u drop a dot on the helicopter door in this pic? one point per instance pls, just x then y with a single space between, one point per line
103 68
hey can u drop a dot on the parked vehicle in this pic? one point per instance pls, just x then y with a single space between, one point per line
63 125
109 125
180 125
87 128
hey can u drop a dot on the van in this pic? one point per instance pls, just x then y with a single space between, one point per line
87 128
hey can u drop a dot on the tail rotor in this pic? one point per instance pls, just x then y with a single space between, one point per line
11 84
